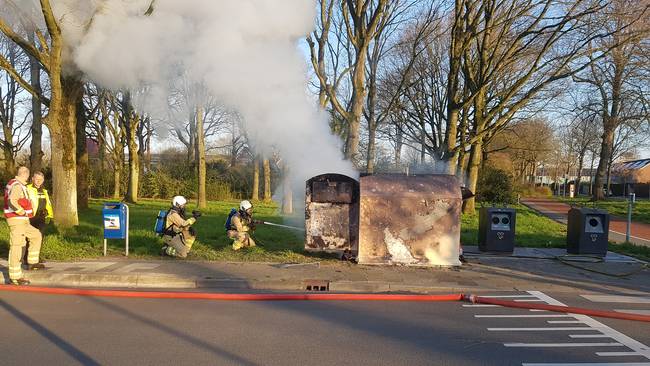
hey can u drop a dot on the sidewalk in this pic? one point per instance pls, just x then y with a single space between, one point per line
558 211
527 269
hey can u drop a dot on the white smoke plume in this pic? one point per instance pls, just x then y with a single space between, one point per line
245 52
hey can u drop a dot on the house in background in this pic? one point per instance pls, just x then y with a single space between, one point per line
631 177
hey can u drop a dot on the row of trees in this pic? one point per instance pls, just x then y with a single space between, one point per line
437 79
445 81
44 88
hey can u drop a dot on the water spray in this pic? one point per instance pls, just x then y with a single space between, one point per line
283 226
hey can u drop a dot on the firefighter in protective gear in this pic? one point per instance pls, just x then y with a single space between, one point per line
179 234
18 210
41 205
241 225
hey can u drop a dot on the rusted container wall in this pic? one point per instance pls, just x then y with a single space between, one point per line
332 213
410 220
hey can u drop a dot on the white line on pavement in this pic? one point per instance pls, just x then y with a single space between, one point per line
596 325
609 344
564 321
588 336
508 296
524 316
617 298
480 306
536 329
617 354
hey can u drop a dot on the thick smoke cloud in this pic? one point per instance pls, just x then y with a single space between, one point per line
245 52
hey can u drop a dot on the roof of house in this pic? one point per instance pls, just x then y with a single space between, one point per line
632 165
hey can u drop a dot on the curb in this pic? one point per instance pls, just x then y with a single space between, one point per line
158 281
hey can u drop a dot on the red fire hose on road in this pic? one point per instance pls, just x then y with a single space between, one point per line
319 297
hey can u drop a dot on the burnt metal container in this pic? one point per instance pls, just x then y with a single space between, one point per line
410 220
332 213
496 229
587 231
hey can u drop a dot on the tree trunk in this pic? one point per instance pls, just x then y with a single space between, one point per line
609 176
287 196
372 146
82 156
605 154
101 145
469 205
117 175
256 179
581 160
200 159
356 107
62 123
10 162
398 148
134 167
36 147
267 180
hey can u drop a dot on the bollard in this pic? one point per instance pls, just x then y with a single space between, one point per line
631 200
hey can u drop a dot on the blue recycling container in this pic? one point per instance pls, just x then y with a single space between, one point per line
114 216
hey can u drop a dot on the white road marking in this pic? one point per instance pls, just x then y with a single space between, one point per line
508 296
480 306
617 298
596 325
526 300
553 345
617 354
524 316
590 364
588 336
536 329
564 322
633 311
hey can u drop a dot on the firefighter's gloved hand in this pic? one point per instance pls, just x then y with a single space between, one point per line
196 214
192 231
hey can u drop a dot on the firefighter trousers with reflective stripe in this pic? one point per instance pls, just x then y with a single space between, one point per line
19 231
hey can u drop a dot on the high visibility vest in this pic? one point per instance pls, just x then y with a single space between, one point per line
24 201
35 196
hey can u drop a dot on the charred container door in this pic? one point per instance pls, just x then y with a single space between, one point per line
410 220
332 213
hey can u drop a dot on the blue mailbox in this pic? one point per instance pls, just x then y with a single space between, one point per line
116 222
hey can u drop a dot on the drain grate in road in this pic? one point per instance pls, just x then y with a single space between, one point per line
316 285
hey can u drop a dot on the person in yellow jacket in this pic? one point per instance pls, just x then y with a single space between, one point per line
41 204
18 211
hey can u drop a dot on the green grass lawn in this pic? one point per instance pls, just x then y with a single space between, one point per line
278 244
86 240
616 207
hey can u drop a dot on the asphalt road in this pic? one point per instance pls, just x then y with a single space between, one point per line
67 330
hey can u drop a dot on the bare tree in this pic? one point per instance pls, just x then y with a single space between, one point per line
362 19
12 116
613 73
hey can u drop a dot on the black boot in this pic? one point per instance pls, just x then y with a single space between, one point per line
20 282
